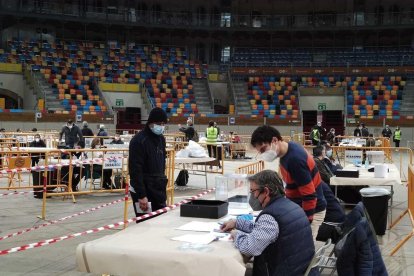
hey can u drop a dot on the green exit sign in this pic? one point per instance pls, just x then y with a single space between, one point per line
119 102
321 106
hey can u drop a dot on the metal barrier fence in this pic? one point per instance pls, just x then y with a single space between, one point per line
252 168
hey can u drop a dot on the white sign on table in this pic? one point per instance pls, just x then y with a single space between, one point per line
113 160
107 141
88 142
353 156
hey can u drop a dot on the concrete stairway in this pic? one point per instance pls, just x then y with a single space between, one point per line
240 95
202 96
52 102
407 105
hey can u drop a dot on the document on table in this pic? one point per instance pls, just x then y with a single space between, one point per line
196 238
203 238
199 226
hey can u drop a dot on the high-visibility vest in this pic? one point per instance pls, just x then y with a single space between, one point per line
315 134
211 135
397 135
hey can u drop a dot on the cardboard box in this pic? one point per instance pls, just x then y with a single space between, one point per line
347 173
213 209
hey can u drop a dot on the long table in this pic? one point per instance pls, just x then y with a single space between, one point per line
146 249
367 178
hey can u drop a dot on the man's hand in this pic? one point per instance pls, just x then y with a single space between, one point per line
228 225
143 204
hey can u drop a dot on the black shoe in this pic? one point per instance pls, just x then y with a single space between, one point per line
106 187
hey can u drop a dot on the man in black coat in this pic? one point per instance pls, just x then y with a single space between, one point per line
387 132
73 135
36 175
188 131
86 131
146 163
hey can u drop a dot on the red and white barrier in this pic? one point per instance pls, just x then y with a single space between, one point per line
106 227
16 193
61 219
54 166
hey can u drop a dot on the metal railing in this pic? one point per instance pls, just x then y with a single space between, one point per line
191 19
231 92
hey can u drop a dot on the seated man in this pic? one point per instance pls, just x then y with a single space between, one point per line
281 238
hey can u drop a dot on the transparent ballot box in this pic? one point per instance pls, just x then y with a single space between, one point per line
233 188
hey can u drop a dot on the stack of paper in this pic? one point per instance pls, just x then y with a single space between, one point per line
199 226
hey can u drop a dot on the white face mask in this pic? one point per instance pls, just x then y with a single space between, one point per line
270 155
37 139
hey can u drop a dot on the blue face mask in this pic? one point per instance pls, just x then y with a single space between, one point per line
158 129
329 153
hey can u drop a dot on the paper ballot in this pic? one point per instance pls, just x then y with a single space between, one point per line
196 238
139 211
199 226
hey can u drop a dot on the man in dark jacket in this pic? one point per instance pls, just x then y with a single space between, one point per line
364 131
73 135
102 132
188 131
146 163
37 180
281 237
357 131
86 131
387 132
117 140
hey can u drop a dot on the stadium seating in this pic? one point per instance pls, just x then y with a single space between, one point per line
273 97
74 68
366 97
323 57
374 97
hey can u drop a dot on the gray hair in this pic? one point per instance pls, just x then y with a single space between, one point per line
269 179
85 123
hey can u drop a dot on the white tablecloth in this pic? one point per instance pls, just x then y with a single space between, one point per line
146 249
367 178
191 160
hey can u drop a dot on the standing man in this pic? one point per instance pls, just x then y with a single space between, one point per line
331 137
357 131
147 164
364 131
298 169
86 131
73 135
102 132
397 137
386 132
188 131
211 133
315 136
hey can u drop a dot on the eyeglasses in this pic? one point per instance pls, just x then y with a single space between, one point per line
253 191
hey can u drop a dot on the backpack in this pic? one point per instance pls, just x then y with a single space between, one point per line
195 136
182 178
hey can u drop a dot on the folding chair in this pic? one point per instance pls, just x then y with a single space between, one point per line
321 261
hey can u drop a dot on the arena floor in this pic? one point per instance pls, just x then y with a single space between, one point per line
19 212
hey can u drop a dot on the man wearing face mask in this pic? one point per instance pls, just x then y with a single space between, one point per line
298 169
358 131
117 140
331 138
281 232
37 180
73 135
147 164
386 132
